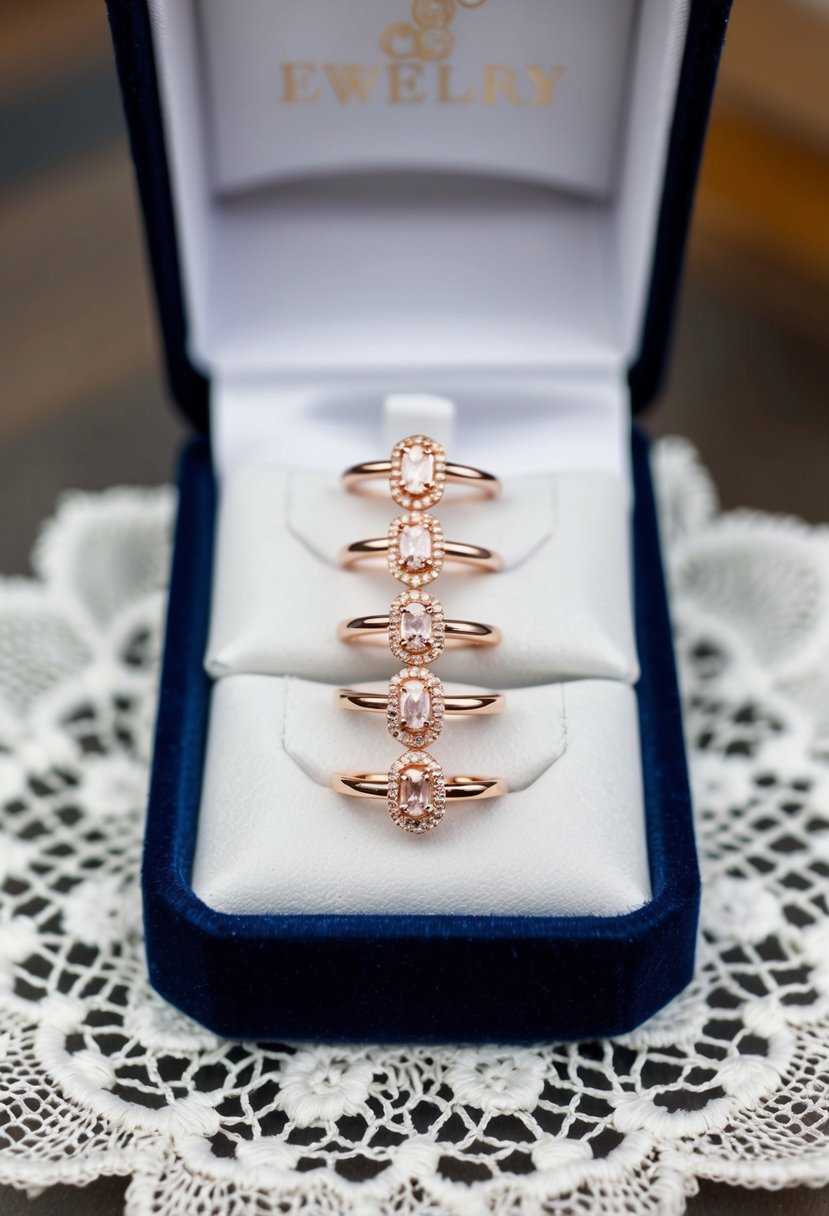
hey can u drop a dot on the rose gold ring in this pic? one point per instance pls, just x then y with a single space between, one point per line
416 629
415 551
415 705
418 473
416 791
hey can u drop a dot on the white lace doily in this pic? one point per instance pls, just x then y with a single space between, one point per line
98 1076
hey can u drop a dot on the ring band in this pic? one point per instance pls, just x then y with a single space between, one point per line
418 472
470 555
416 630
415 705
416 791
462 633
464 705
458 789
415 551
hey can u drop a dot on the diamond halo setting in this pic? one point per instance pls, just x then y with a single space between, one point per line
416 548
416 707
417 628
417 792
418 472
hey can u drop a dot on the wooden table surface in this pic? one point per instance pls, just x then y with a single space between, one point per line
83 400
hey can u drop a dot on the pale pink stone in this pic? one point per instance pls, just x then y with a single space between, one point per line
417 469
416 626
415 705
415 799
415 546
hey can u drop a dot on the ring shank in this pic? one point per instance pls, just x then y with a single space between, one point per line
457 706
458 633
485 485
476 556
458 788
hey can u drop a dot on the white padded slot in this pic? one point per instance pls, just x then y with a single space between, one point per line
562 602
274 839
419 413
524 422
321 737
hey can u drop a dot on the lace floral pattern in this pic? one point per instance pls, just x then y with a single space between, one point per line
99 1076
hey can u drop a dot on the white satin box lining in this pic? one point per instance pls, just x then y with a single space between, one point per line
354 265
569 840
562 601
563 134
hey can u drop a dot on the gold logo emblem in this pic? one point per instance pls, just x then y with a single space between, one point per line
417 70
428 36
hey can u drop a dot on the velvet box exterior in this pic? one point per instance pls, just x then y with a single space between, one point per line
399 977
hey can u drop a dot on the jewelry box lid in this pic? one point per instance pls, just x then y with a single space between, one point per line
426 63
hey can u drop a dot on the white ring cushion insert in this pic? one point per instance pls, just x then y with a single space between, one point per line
569 837
562 600
568 840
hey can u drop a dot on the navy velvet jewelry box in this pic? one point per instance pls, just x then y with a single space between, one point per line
418 977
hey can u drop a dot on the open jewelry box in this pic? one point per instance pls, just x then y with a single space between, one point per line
485 200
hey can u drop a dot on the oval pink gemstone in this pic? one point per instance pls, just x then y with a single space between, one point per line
415 705
417 469
415 796
415 546
416 626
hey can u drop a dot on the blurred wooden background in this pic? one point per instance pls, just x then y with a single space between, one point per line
83 400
